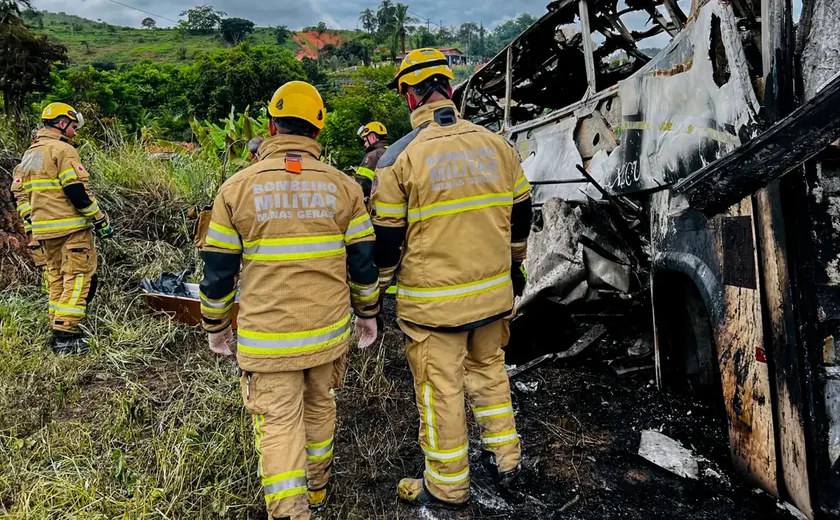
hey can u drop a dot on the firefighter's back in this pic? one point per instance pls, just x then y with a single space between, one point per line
459 181
295 301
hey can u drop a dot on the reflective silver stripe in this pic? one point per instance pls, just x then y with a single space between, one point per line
454 478
24 208
487 441
466 289
222 237
217 304
71 311
284 485
447 456
390 210
494 412
90 210
295 342
518 244
61 224
67 175
458 206
359 290
292 249
359 230
319 452
520 186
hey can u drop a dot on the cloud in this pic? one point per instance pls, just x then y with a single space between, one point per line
339 14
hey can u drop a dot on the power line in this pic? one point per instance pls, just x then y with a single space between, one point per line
142 11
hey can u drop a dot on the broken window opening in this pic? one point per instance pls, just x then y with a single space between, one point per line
717 54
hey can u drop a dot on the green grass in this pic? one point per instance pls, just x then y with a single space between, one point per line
151 425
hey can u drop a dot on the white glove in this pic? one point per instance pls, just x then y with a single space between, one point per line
365 331
222 343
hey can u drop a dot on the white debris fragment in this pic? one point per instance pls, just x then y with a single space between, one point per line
709 472
668 454
784 506
529 388
490 500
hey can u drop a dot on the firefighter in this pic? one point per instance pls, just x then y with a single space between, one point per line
375 137
300 231
454 197
63 214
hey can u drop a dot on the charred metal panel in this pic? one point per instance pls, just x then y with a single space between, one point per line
738 252
684 108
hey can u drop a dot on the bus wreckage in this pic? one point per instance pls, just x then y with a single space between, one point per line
704 181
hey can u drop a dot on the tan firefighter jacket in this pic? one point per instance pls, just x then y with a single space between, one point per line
305 242
450 187
50 186
366 172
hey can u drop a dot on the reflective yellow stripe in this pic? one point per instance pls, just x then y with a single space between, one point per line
24 209
453 291
60 224
77 289
41 185
258 434
286 343
91 210
429 414
447 455
448 478
366 172
521 187
319 451
223 237
67 176
222 310
455 206
486 413
359 228
62 309
383 209
298 248
499 439
284 485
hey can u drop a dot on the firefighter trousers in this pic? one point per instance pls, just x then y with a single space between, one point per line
71 278
443 364
294 422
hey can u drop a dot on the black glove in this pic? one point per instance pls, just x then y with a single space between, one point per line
103 227
519 278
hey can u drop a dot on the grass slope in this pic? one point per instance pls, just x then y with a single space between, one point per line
90 42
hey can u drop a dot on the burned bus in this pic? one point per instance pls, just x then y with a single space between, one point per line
722 149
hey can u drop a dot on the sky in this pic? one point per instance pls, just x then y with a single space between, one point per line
339 14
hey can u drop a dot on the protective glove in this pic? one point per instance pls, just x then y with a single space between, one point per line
222 343
103 227
366 331
519 278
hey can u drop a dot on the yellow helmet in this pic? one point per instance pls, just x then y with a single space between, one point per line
54 110
372 128
301 100
420 65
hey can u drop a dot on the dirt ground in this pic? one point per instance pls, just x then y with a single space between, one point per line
580 424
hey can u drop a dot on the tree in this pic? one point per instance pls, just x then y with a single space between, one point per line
282 34
425 38
355 51
322 27
234 30
148 23
385 21
26 59
400 20
368 19
202 19
86 45
239 77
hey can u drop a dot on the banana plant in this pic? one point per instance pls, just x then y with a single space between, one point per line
227 144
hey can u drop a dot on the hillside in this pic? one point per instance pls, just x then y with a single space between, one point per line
104 46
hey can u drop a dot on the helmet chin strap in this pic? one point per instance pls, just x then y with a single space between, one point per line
413 104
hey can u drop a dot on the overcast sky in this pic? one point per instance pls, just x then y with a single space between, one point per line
343 14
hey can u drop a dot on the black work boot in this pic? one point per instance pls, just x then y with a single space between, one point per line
503 479
69 344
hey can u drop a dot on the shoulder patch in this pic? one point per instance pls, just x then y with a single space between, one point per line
393 152
374 185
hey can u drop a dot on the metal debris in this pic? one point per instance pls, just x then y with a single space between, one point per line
668 454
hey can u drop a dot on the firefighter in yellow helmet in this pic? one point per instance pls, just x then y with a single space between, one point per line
299 230
51 187
375 137
452 210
